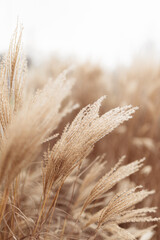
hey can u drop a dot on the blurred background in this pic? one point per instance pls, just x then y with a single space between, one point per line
108 32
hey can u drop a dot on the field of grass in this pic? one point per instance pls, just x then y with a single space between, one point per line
69 167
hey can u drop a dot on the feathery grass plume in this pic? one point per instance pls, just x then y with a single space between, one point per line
78 139
12 75
103 213
29 129
119 210
76 143
111 178
118 204
34 123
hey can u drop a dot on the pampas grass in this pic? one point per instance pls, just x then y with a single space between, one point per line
59 186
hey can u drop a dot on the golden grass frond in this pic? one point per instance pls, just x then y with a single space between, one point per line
34 122
12 74
78 139
111 178
118 204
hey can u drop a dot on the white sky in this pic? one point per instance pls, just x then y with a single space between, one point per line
107 31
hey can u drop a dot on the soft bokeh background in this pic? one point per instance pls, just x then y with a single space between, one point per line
108 32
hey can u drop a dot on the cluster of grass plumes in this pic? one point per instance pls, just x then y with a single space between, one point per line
54 189
138 85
